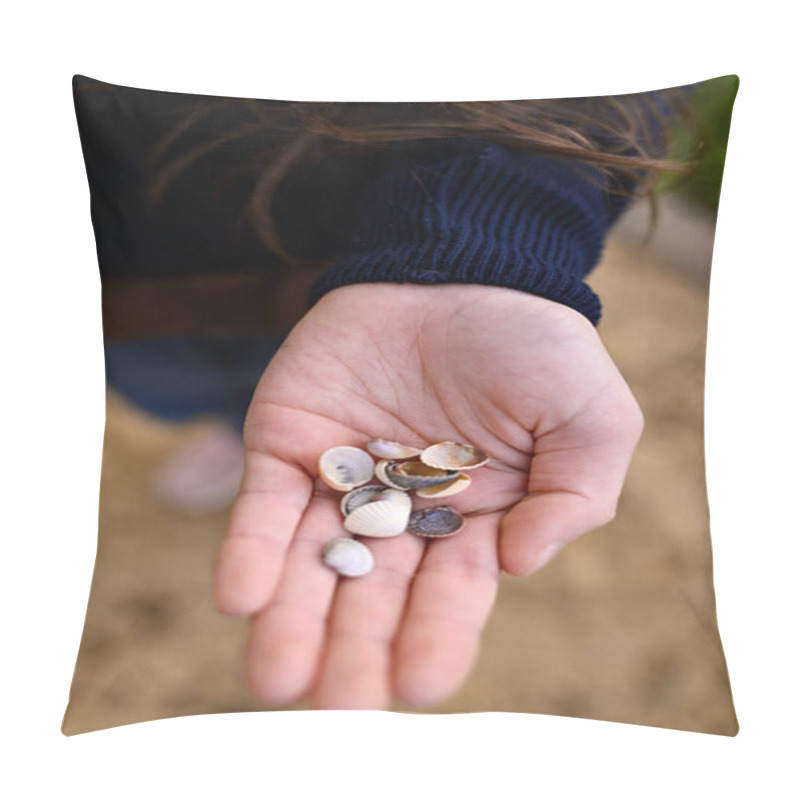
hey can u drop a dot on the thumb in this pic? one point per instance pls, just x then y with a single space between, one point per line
575 481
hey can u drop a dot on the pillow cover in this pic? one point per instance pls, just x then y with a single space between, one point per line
219 222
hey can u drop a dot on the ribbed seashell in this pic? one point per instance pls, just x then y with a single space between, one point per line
458 484
408 475
348 557
395 451
344 468
452 455
369 494
436 522
357 497
380 518
398 496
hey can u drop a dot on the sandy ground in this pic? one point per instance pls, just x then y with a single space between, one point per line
620 627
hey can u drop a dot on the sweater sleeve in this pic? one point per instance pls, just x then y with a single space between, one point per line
482 213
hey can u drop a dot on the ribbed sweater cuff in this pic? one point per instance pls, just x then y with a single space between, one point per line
492 216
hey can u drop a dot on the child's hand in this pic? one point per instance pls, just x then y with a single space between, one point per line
513 374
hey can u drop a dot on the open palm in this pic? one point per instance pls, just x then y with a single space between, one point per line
522 378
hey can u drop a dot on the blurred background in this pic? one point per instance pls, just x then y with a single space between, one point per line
620 627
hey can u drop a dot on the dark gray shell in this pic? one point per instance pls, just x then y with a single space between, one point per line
436 522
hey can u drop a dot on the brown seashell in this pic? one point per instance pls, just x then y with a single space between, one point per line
414 474
458 484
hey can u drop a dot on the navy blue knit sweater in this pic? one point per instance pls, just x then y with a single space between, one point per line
453 210
482 213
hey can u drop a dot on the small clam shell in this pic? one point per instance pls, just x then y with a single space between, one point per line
344 468
436 522
383 448
348 557
452 455
357 497
458 484
380 518
397 496
370 494
411 474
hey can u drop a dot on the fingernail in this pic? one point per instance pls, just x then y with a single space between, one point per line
547 555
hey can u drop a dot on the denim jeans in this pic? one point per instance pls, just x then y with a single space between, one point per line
180 377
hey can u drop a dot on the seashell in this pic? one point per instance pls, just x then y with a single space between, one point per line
458 484
397 496
380 518
344 468
454 456
369 494
348 557
411 474
383 448
380 472
436 522
357 497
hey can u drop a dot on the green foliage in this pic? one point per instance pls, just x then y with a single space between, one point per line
704 139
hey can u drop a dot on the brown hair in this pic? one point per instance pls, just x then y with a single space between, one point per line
627 138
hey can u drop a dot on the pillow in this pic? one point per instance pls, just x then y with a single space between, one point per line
364 230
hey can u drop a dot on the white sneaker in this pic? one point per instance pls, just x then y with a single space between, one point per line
203 475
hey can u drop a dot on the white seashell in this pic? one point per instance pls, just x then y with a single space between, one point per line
348 557
344 468
383 448
380 518
436 522
458 484
398 496
452 455
411 474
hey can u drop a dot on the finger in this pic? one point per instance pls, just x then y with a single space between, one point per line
271 501
286 638
356 667
450 600
575 481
